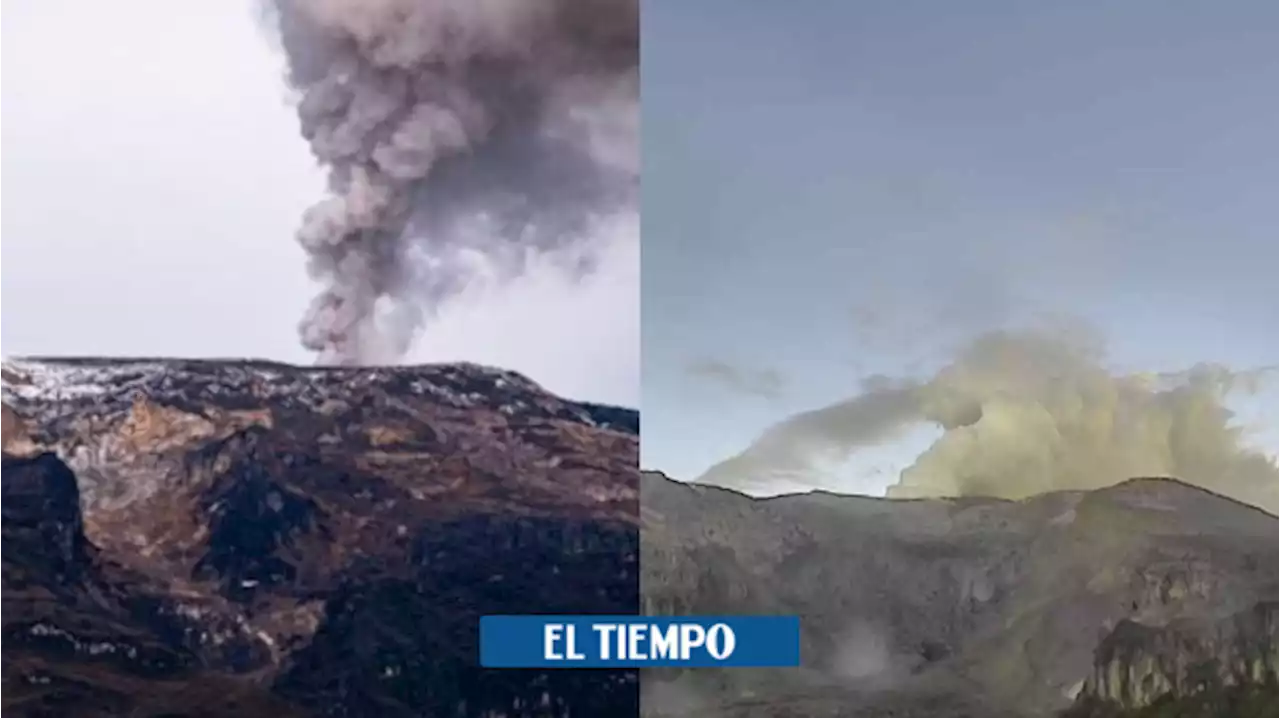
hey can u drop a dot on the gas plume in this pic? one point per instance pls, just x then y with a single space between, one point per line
1028 411
460 137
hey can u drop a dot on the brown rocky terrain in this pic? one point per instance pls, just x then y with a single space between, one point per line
1149 598
210 538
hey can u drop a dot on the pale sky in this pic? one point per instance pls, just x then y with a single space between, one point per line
945 167
154 176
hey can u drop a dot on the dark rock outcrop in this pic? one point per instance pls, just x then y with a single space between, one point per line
81 634
1140 666
186 538
966 607
41 506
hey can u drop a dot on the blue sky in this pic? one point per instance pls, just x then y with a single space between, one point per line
949 167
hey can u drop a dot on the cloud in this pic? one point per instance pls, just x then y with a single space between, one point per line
764 383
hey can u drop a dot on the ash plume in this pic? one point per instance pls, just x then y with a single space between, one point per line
461 138
1029 411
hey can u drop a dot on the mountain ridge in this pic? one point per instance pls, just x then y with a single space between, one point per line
1136 480
313 542
990 606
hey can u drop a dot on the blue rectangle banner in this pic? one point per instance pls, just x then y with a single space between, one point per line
639 641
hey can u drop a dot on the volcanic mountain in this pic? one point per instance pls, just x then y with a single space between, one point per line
1149 598
232 538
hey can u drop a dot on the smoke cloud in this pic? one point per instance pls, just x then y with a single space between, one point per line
1028 411
461 138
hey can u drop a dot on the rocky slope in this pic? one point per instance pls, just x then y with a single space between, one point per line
1111 602
222 538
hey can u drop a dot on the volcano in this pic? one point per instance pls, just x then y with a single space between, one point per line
237 538
1149 598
